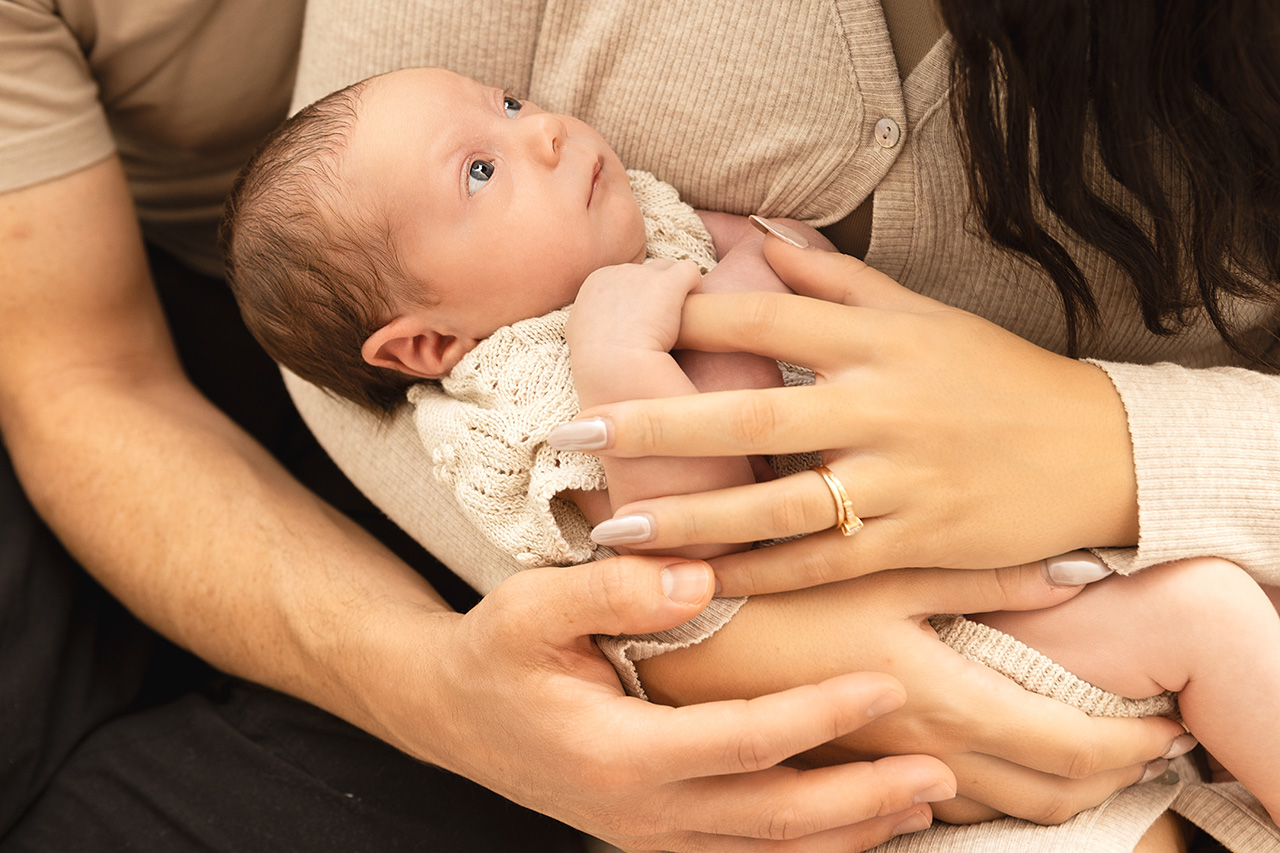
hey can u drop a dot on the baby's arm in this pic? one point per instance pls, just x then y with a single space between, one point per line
624 323
622 328
1201 627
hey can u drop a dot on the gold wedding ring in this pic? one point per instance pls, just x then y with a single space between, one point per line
846 520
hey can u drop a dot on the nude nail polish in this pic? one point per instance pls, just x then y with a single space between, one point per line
1154 770
586 434
1075 568
782 232
626 530
1181 745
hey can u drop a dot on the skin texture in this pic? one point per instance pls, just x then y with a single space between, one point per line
902 371
556 205
1013 752
302 600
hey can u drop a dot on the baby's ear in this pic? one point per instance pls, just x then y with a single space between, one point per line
404 344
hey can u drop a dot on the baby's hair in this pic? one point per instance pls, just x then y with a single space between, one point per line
314 278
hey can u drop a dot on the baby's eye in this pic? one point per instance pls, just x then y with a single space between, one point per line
478 174
511 106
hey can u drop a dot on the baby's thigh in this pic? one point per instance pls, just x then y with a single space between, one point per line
1133 635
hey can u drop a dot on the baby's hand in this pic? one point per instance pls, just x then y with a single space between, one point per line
631 307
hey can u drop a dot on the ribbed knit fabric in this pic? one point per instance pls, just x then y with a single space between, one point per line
1037 673
771 108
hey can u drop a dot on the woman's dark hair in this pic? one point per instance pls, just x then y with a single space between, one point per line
1181 100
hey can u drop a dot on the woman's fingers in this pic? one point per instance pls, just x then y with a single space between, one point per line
1042 733
833 797
786 506
773 420
834 277
810 332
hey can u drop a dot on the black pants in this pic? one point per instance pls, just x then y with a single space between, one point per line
113 739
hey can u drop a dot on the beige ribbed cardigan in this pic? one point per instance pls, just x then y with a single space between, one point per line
772 108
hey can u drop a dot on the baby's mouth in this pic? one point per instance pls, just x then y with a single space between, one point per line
595 180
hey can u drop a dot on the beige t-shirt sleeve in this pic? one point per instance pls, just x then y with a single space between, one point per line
51 122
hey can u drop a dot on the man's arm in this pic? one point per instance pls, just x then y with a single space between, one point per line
197 529
1009 748
174 509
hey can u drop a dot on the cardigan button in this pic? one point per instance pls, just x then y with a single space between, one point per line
887 132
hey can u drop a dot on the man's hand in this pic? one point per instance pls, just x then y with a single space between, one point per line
1014 752
534 712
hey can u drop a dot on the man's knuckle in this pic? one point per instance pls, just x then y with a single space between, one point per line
1083 761
783 824
1059 808
611 588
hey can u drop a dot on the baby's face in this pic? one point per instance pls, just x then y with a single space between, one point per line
501 208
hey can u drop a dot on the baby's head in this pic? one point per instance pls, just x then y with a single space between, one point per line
378 235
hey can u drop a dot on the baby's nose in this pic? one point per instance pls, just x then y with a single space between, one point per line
547 136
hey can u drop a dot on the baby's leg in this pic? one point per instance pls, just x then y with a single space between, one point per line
1201 627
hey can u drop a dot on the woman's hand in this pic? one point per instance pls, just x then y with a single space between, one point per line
529 707
1013 752
960 444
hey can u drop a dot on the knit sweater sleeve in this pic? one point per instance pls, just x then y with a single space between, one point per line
486 425
1206 445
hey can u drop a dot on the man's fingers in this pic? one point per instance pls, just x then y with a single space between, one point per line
1039 797
854 838
622 595
742 736
786 803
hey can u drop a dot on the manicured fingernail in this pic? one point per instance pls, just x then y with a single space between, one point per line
782 232
915 823
886 703
935 793
686 582
626 530
1154 770
1075 568
586 434
1181 745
